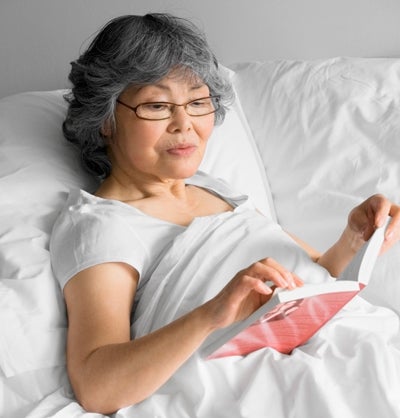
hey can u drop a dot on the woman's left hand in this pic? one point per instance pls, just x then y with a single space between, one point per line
371 214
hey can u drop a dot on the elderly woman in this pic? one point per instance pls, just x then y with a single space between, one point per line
146 96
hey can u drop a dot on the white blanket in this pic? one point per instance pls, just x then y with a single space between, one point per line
207 255
351 368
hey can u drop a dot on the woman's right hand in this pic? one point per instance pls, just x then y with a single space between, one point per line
248 290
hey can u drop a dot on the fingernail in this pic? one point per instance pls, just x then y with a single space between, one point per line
389 235
283 283
380 221
268 289
291 281
287 282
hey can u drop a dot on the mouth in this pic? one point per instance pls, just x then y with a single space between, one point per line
182 150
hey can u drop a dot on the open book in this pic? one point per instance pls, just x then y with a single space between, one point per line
291 317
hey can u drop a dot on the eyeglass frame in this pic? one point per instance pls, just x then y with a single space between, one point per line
134 108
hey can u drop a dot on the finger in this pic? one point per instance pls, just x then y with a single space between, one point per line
381 208
249 283
392 233
269 269
291 279
358 220
298 280
394 224
264 288
384 208
369 215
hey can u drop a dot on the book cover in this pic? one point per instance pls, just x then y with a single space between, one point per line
291 317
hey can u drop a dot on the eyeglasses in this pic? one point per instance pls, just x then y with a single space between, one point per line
164 110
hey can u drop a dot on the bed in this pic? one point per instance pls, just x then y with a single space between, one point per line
307 140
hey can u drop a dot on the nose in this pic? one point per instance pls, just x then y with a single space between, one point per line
180 120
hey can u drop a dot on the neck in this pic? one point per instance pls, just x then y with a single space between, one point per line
128 189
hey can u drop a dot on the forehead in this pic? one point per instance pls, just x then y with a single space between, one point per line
176 79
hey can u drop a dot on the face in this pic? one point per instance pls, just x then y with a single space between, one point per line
165 149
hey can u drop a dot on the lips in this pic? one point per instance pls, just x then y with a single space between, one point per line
182 150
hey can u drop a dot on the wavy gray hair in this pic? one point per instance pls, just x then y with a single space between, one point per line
133 50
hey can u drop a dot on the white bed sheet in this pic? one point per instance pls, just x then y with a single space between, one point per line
314 381
320 379
328 133
349 369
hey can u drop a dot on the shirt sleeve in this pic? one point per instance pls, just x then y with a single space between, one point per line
85 239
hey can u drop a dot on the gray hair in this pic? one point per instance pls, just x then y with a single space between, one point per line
133 50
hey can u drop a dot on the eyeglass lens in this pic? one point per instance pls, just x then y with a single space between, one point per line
163 110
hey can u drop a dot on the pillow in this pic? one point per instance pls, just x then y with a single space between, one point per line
37 169
233 156
328 134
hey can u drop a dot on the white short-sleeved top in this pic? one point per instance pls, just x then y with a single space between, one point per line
91 230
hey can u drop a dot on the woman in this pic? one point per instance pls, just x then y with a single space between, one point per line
146 96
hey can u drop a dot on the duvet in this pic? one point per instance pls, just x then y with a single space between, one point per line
350 368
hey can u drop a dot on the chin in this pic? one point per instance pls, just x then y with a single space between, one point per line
185 172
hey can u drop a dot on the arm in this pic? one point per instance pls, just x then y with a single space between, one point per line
362 222
106 369
109 371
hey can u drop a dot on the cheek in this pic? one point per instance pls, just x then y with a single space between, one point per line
206 129
137 137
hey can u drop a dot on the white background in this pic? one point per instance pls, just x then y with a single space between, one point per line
38 38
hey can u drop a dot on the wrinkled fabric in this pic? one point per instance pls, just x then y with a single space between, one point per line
349 369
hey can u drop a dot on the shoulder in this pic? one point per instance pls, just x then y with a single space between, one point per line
90 231
84 210
85 217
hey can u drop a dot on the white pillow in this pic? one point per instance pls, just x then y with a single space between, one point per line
328 132
36 169
233 156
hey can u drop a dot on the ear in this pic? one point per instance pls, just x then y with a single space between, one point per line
106 130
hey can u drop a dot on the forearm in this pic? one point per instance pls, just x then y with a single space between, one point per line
107 371
118 375
336 258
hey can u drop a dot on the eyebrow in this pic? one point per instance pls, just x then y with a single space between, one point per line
165 87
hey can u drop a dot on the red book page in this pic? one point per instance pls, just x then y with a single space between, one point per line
287 326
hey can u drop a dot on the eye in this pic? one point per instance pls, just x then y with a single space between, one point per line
155 107
201 103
